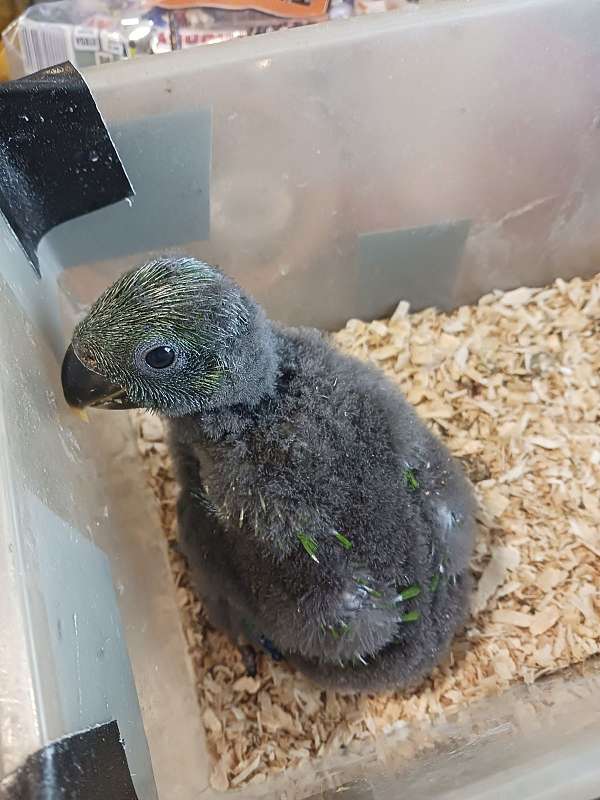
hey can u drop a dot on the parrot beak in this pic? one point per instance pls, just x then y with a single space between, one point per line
82 387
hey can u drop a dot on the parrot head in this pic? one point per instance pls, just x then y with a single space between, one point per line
169 336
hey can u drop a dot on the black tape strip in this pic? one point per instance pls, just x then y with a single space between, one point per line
57 160
90 765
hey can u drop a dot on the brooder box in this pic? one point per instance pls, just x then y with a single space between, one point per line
429 155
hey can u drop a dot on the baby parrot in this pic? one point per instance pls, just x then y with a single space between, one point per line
321 519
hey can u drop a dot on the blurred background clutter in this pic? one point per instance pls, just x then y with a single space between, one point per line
88 33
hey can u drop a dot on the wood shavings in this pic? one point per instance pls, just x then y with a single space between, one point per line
246 771
512 385
219 777
541 622
494 575
211 722
549 578
588 535
246 684
506 616
495 502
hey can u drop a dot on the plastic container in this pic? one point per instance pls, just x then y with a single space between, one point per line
428 155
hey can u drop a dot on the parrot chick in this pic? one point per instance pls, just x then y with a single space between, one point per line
323 522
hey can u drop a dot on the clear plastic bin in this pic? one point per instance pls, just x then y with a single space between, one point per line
430 155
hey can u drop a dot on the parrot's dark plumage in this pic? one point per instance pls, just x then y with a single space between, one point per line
322 520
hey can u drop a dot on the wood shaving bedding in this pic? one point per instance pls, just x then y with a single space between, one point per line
512 385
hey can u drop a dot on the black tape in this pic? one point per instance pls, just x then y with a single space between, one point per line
90 765
57 160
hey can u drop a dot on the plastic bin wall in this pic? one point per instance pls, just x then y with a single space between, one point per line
431 156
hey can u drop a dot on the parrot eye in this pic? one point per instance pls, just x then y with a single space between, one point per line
160 357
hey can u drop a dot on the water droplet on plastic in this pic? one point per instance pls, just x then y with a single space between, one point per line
94 156
129 201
